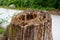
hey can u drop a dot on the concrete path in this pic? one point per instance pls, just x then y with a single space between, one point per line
56 27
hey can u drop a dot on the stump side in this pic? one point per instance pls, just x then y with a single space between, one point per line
30 25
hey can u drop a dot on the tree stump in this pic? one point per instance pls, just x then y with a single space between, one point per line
29 25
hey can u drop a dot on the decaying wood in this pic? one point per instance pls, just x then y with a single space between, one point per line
29 25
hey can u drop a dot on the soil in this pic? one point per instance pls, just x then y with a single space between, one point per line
55 12
1 35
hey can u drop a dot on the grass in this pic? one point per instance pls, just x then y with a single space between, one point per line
25 8
2 30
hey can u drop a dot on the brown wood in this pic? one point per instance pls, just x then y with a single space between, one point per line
30 25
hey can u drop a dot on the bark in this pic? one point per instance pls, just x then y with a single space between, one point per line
30 25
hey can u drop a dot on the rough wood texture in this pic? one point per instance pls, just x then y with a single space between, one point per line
29 25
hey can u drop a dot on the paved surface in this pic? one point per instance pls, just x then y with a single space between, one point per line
56 27
6 15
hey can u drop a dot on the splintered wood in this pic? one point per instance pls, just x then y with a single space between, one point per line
29 25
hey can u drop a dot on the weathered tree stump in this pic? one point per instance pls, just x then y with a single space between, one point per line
29 25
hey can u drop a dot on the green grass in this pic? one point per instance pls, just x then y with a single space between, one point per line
2 30
25 8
